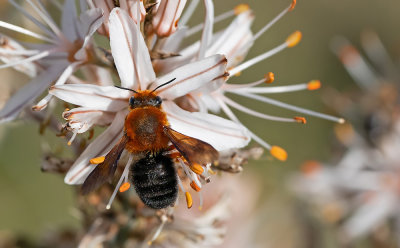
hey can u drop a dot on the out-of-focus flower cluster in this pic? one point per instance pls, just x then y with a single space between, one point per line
360 193
67 60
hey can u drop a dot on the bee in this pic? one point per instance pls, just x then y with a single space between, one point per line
147 132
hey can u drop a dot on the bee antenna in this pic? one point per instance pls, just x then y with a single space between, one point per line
162 85
119 87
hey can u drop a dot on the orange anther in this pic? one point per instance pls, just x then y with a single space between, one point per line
293 39
189 200
97 160
196 168
176 23
292 5
124 187
310 167
314 85
241 8
66 109
279 153
195 186
300 119
269 77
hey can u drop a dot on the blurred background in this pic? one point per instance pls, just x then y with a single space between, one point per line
33 203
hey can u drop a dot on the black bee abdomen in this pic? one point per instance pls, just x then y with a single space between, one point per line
155 181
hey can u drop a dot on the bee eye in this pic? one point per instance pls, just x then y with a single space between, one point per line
158 100
131 101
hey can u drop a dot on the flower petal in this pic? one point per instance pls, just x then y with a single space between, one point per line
166 19
99 147
107 98
30 92
9 53
68 21
192 76
236 39
371 214
96 75
81 119
221 133
131 7
89 22
60 81
207 34
129 50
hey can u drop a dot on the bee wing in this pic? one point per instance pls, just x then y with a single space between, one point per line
106 169
193 150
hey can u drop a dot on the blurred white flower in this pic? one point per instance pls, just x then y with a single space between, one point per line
63 51
363 187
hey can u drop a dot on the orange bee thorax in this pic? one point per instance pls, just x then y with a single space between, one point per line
144 127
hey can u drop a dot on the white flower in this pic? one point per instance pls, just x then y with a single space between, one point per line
64 50
134 67
234 42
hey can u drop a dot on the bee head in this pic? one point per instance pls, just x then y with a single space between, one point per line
146 97
143 99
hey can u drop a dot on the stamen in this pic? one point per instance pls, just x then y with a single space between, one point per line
314 85
201 201
186 170
257 59
25 31
195 186
124 187
123 176
189 200
97 160
29 59
227 86
292 5
196 168
217 19
239 9
232 116
279 153
269 77
273 21
181 185
255 113
18 52
47 19
34 20
300 119
290 107
158 231
196 180
277 89
294 39
72 138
